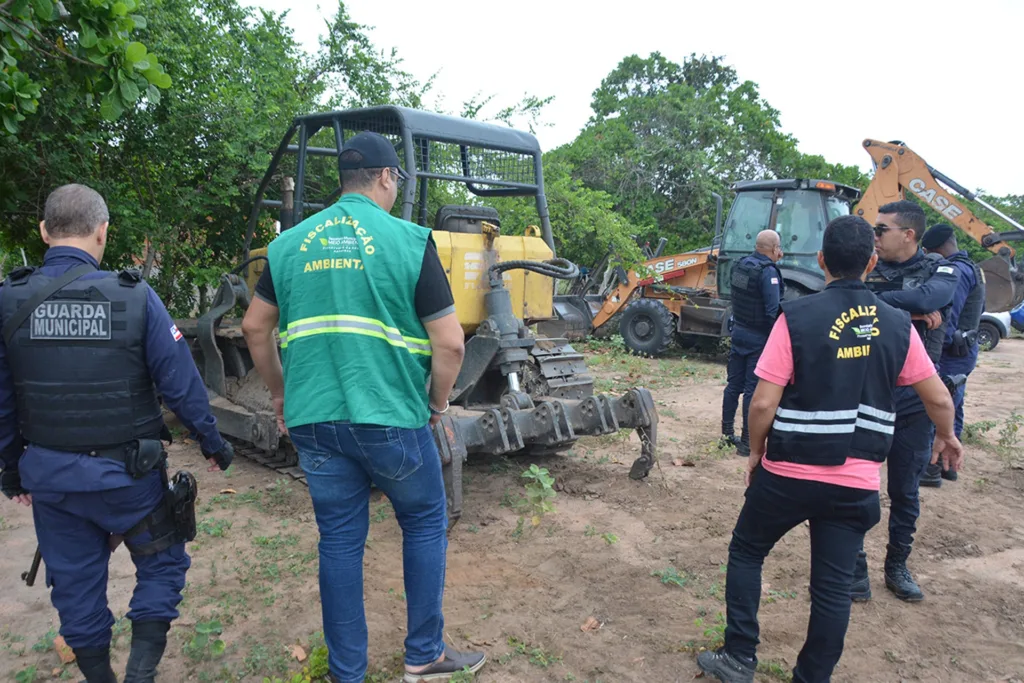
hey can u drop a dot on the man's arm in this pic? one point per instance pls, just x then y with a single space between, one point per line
10 435
930 296
177 378
258 326
919 373
435 306
770 292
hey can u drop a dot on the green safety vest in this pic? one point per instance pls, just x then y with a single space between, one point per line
352 346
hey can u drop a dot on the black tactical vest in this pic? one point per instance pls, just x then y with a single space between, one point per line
747 299
970 316
890 276
79 362
848 351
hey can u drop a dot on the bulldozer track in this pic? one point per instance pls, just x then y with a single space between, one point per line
280 462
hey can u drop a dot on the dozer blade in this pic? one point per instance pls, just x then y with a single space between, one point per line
1004 284
551 424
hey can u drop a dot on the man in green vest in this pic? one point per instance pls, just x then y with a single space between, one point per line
366 320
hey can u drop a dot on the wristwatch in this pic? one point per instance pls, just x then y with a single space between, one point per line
435 411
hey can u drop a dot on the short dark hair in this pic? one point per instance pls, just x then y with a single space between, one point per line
847 246
908 215
356 178
74 211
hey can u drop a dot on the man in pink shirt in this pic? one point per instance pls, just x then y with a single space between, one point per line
821 423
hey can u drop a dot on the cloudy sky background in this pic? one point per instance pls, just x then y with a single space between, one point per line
944 77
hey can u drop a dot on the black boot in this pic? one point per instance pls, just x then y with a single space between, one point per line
860 590
931 476
897 576
725 667
94 663
149 638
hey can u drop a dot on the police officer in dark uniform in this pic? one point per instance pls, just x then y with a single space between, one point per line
960 347
83 356
757 289
908 279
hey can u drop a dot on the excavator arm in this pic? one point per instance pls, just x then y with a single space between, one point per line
898 169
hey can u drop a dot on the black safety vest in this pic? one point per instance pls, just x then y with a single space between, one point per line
974 306
79 362
747 297
896 276
848 351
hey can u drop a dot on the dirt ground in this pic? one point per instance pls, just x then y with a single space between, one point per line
646 560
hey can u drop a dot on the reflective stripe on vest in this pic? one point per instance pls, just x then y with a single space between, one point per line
351 324
834 421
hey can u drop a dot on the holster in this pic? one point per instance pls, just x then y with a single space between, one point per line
174 519
959 346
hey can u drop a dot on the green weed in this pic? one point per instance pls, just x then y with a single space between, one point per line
204 642
670 575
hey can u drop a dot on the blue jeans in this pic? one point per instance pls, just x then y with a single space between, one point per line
340 461
839 517
74 530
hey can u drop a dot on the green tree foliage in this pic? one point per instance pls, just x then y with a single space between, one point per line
84 42
664 136
180 174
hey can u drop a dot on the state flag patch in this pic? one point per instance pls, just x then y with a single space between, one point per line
176 333
775 280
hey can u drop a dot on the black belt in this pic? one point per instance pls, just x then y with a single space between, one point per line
117 453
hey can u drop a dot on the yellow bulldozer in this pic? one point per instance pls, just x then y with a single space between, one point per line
517 392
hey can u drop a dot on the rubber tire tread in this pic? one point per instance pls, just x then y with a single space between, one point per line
663 321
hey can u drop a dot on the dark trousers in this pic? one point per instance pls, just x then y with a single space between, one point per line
908 458
74 531
839 517
741 380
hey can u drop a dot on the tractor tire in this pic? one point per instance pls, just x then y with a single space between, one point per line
647 327
988 336
609 329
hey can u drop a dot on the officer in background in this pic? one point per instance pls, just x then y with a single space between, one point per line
960 347
83 356
822 421
757 289
908 279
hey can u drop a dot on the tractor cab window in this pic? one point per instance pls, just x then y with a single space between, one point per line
836 207
800 222
749 215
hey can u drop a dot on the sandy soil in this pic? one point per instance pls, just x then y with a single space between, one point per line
645 559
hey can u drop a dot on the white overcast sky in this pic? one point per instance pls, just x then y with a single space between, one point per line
945 77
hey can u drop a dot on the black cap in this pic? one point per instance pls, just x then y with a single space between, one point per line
936 236
376 151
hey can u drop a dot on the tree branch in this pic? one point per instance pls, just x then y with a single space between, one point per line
6 16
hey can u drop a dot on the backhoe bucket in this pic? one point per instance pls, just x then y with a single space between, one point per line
1004 284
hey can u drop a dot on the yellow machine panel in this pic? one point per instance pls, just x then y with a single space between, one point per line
464 257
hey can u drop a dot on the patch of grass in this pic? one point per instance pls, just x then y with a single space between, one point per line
45 642
671 575
1007 443
537 656
27 675
610 538
974 433
380 513
714 634
213 527
775 596
775 670
204 643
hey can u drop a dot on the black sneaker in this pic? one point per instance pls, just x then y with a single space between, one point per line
454 662
931 476
725 667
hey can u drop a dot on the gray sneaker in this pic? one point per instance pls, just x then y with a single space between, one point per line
454 662
725 667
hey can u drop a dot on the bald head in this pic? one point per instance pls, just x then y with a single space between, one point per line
769 244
